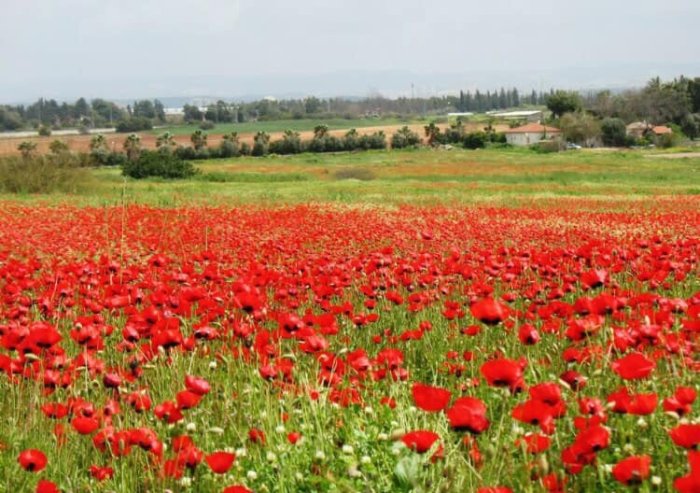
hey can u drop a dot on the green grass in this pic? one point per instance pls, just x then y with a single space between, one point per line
421 176
282 125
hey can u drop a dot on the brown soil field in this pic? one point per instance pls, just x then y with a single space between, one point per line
81 143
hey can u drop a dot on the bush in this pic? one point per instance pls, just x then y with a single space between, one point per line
290 143
403 138
134 124
153 163
44 131
475 140
376 140
614 132
43 174
206 125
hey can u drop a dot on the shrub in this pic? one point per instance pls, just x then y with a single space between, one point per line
475 140
405 137
153 163
376 140
206 125
134 124
44 131
261 144
290 143
58 147
614 132
42 174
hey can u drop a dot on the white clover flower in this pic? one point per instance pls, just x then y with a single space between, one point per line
299 476
629 448
252 475
213 365
354 472
186 482
280 429
642 423
382 437
656 480
365 459
241 452
347 449
320 455
191 427
369 410
608 468
271 457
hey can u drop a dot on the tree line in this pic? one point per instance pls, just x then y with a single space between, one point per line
50 114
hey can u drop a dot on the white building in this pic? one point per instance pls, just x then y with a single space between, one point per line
528 115
529 134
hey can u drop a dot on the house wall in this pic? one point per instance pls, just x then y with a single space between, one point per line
526 139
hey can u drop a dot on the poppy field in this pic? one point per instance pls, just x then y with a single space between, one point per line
350 348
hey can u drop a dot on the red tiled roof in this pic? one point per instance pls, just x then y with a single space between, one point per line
661 130
533 128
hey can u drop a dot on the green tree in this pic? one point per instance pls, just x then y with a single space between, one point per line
580 127
320 131
561 102
613 132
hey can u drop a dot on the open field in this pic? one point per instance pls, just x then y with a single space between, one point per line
503 177
408 321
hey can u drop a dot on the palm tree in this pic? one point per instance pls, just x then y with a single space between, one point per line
165 143
98 143
432 132
132 147
27 149
198 139
320 131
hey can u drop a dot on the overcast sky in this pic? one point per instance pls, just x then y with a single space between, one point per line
132 48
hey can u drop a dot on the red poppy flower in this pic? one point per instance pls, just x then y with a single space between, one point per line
534 443
85 426
32 460
187 400
494 489
431 399
681 402
632 470
633 366
220 462
691 482
101 473
468 413
489 311
504 373
293 437
256 435
197 385
686 436
420 441
45 486
237 489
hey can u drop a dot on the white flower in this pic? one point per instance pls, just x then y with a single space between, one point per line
241 452
252 475
629 448
354 472
365 459
280 429
191 427
186 482
369 410
212 365
656 480
641 423
347 449
271 457
299 476
320 455
383 437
